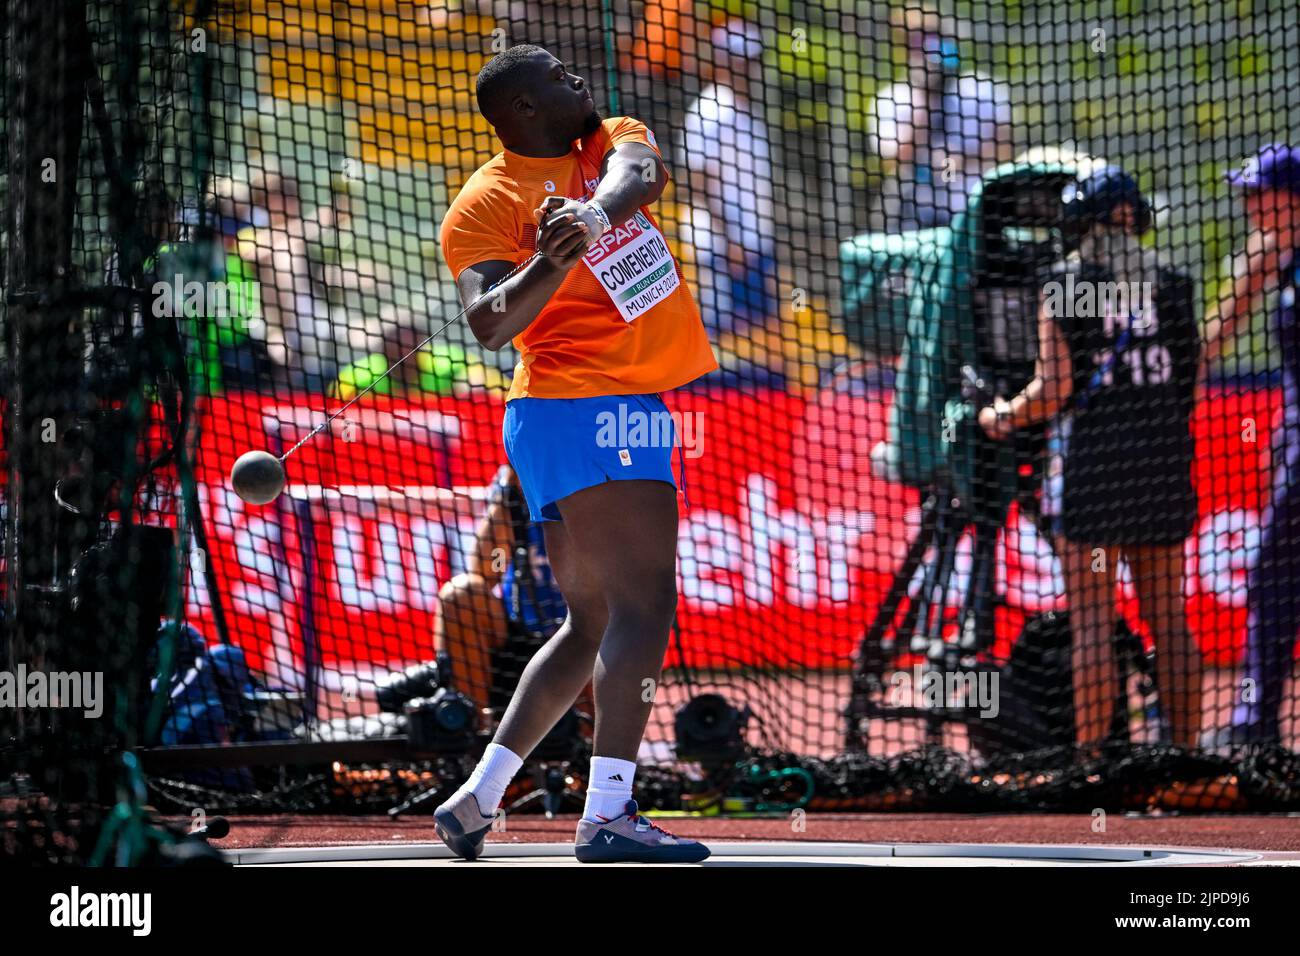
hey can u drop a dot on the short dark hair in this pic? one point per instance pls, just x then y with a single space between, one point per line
501 78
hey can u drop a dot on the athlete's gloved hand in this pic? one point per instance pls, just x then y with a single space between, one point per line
561 236
591 214
594 217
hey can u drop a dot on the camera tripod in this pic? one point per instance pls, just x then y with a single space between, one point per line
945 518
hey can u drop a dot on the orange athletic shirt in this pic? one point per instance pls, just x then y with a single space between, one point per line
623 321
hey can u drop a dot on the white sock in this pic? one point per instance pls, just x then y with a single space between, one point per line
490 778
609 789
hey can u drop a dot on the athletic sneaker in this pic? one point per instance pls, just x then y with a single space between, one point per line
632 838
462 826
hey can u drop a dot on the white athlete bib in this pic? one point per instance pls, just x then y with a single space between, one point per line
634 267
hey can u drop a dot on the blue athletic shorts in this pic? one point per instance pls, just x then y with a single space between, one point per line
561 445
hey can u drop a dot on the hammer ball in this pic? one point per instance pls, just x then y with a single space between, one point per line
258 477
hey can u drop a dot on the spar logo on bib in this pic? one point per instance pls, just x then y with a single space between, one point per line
634 267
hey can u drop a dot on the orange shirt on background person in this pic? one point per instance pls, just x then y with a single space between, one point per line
623 321
665 44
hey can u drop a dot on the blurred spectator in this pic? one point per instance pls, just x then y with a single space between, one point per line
727 155
440 368
941 129
199 278
250 346
212 697
296 329
160 225
1269 184
482 608
451 15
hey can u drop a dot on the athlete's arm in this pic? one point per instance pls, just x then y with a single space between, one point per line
631 176
497 316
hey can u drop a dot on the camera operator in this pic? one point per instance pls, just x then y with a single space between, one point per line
1118 353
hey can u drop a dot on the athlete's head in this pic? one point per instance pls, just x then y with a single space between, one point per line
1271 182
530 97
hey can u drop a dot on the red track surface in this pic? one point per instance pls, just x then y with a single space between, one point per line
1273 832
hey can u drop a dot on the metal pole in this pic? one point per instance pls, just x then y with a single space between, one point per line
611 60
43 333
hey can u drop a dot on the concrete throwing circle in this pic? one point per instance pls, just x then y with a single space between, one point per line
803 853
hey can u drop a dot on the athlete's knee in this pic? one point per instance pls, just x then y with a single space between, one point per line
586 622
651 599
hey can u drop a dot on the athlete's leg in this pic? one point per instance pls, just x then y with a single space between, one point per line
626 533
562 667
1158 578
617 568
547 688
1093 620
